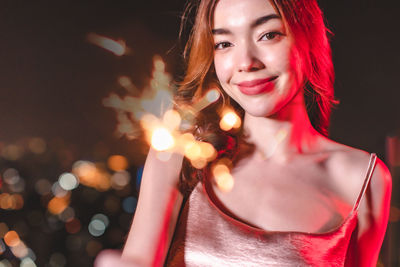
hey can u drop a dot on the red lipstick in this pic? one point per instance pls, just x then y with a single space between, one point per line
256 87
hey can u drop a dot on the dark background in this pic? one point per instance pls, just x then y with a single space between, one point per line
52 83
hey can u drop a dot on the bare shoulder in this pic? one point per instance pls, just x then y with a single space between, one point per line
350 165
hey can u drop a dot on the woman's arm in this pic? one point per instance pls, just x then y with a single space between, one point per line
155 217
373 216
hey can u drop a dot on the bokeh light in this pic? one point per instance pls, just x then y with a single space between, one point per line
11 238
27 262
37 145
120 179
90 175
117 163
58 204
20 250
57 259
212 95
11 176
43 187
229 120
12 152
129 204
67 214
98 225
222 176
116 47
162 139
5 263
68 181
172 119
96 228
58 190
73 226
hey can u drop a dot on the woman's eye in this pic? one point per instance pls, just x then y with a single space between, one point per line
270 36
222 45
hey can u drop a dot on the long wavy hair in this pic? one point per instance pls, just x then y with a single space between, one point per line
305 23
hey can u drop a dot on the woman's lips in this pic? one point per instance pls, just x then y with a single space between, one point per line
256 87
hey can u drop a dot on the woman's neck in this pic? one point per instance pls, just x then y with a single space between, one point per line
287 133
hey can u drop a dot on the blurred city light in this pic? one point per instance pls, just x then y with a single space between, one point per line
68 181
117 163
11 238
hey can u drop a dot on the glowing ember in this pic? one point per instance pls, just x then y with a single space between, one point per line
224 181
126 83
152 109
90 175
116 47
230 120
172 119
199 163
222 176
162 139
210 97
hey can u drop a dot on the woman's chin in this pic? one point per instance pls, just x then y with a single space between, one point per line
259 111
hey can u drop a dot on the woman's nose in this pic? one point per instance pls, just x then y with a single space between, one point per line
248 59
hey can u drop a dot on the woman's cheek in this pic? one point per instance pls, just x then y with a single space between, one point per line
223 67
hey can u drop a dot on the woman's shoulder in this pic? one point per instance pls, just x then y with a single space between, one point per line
374 206
346 161
349 167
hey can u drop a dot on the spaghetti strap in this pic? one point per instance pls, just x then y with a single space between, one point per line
370 171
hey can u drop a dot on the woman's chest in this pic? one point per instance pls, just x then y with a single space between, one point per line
284 198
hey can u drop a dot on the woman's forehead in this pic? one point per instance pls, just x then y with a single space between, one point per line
234 13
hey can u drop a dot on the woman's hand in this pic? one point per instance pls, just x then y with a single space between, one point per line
155 216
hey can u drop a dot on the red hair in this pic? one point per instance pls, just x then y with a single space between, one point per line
306 24
311 53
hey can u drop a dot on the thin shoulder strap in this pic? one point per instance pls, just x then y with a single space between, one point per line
370 171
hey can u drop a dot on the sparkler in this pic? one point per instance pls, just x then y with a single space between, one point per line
150 112
116 47
153 111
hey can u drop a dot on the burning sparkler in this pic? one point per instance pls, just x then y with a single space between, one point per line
118 48
151 113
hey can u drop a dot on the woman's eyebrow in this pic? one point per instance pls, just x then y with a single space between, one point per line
255 23
264 19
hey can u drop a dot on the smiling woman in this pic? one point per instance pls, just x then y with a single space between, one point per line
279 191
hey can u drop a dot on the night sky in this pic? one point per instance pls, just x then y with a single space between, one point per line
52 81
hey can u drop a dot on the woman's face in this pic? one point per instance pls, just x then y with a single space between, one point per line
252 55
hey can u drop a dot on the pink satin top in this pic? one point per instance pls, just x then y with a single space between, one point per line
207 236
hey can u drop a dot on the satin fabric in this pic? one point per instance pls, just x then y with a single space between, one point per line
206 236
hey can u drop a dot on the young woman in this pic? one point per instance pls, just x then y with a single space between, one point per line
299 199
